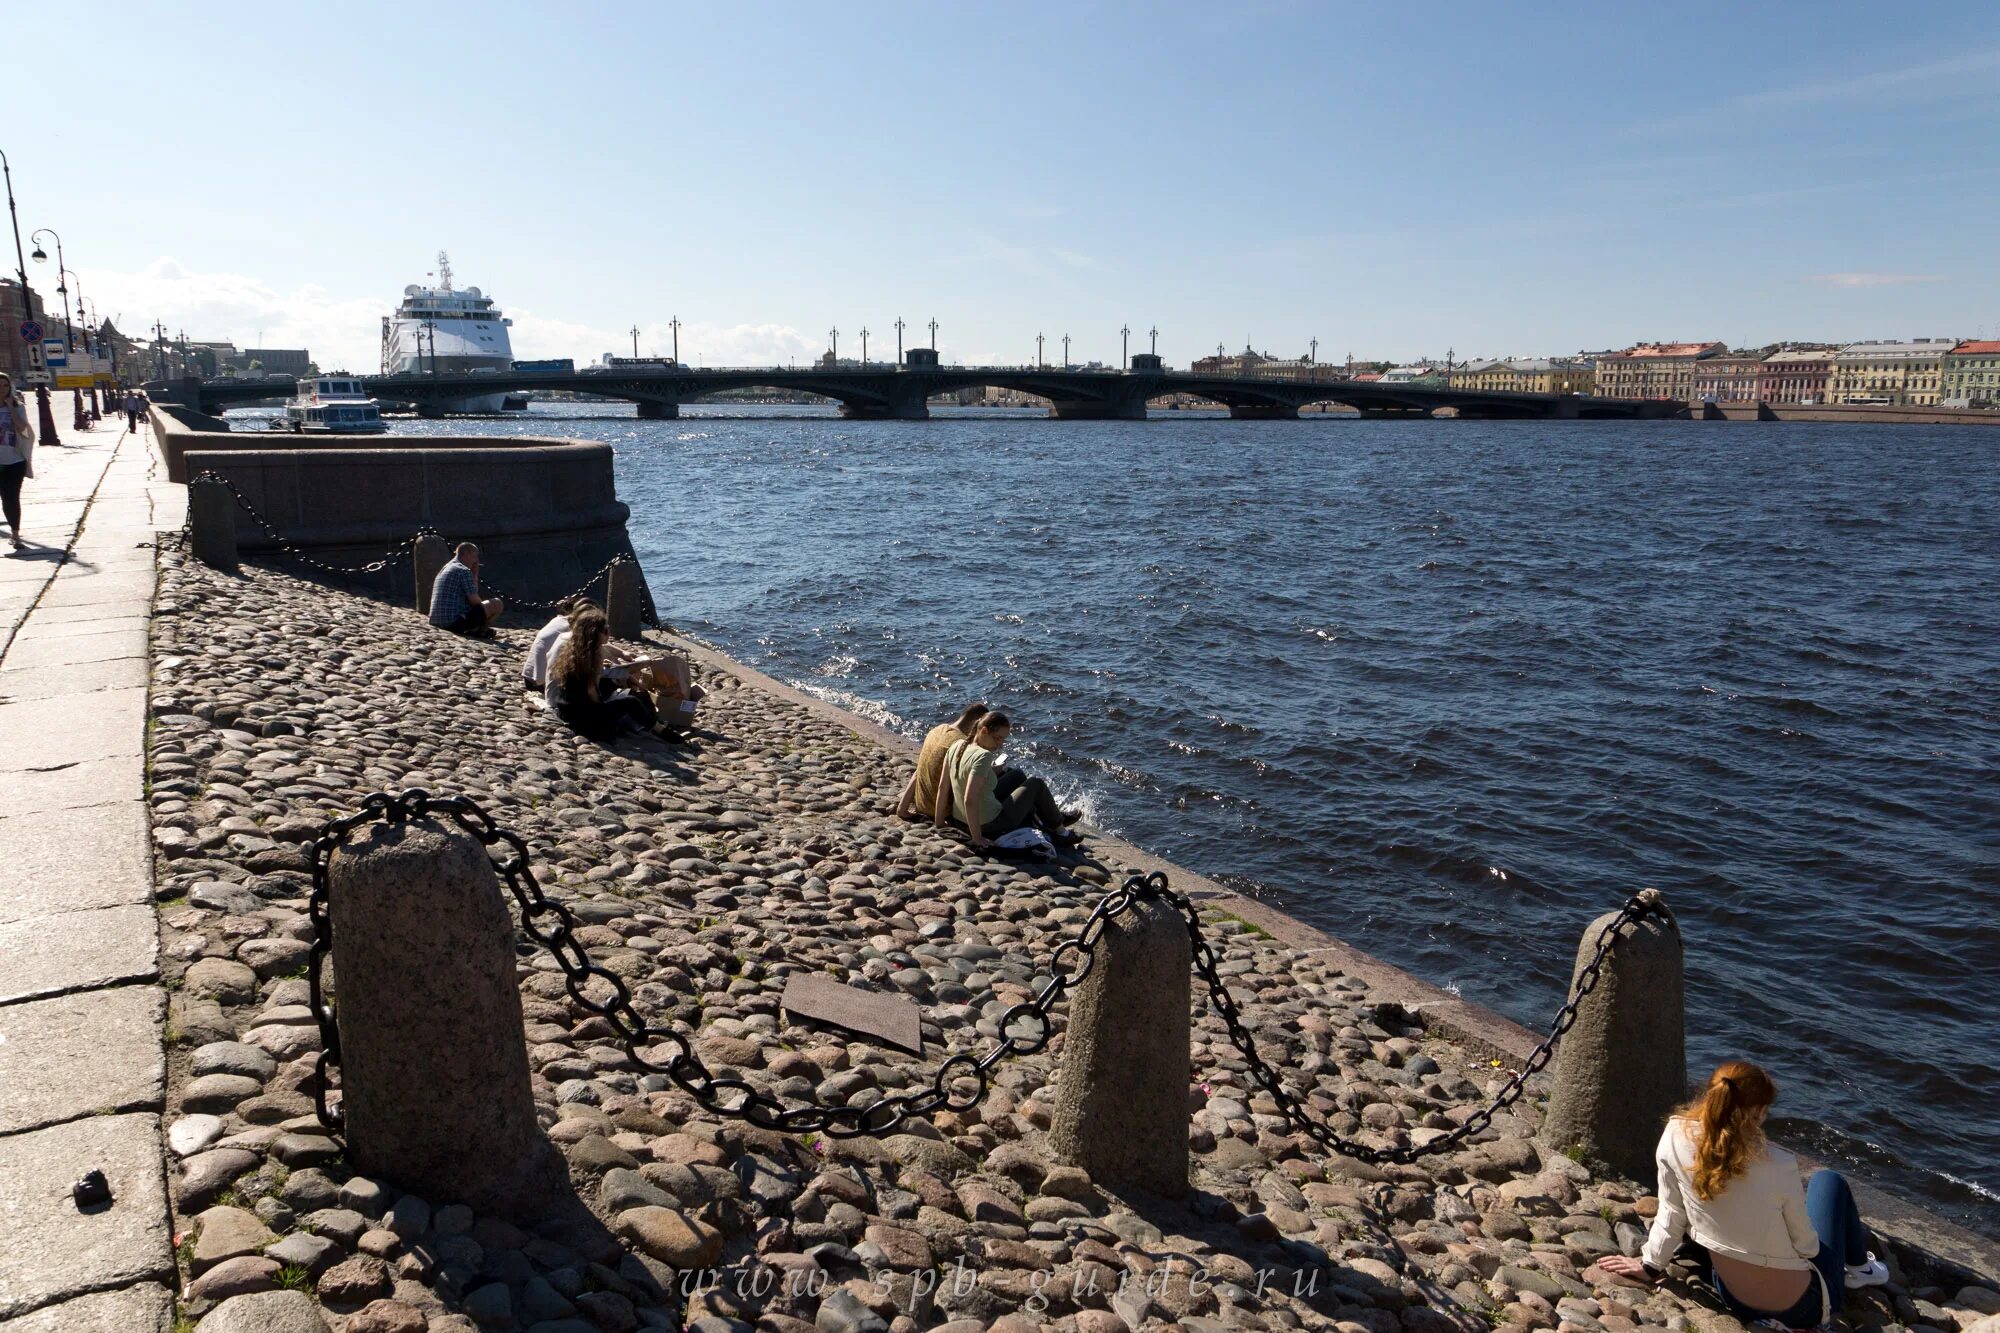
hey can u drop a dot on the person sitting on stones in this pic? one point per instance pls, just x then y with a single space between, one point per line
970 791
548 642
455 601
1780 1253
668 678
579 691
920 793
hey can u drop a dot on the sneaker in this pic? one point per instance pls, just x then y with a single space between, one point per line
1874 1273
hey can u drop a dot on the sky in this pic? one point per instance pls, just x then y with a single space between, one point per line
1392 181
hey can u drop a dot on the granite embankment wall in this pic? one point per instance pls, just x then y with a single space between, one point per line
545 512
1845 413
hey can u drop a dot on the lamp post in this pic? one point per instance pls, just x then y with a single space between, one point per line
675 325
635 342
899 340
833 358
1065 351
41 256
934 346
1039 363
48 418
864 345
1125 347
1154 333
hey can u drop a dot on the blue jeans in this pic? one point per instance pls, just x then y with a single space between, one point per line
1843 1240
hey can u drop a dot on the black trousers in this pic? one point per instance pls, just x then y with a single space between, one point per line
11 477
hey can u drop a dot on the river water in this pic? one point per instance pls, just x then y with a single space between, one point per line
1447 690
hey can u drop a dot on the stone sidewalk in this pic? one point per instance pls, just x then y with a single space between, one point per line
82 1062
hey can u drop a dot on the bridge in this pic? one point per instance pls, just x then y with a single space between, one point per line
903 393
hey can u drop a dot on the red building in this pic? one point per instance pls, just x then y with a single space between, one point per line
1797 375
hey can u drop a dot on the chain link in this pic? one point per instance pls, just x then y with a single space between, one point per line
959 1084
405 549
666 1052
1645 903
393 556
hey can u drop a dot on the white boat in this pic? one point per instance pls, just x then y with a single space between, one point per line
335 405
441 330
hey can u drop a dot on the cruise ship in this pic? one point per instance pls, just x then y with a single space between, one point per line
445 331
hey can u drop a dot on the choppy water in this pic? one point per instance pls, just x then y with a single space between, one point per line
1450 689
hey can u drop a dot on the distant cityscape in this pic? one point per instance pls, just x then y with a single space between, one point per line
1921 372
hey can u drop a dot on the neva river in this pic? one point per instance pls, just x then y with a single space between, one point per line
1447 690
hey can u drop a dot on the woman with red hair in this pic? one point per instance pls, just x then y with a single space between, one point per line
1781 1253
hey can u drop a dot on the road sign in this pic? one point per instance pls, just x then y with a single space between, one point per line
55 352
31 332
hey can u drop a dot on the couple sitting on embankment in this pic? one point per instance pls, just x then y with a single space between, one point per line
959 780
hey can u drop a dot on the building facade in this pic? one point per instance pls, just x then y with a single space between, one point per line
18 358
1526 376
1890 374
1970 376
1727 379
1653 370
1796 375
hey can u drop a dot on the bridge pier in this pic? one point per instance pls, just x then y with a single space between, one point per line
1127 409
430 412
655 411
1263 412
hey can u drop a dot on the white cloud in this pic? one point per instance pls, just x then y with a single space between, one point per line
1937 78
346 332
1870 279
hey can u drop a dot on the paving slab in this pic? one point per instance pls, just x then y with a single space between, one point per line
146 1308
104 623
38 733
95 782
51 1252
85 589
77 951
75 859
70 650
49 617
890 1019
81 1055
47 682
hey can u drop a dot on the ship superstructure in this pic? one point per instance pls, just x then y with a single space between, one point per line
441 330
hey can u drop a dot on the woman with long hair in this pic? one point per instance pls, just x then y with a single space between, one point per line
17 454
1781 1254
578 692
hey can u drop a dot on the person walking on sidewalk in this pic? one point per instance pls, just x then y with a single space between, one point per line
132 410
17 455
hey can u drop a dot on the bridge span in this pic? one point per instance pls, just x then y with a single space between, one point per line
903 393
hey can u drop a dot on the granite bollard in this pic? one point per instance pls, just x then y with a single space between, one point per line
622 599
1622 1069
212 524
1121 1097
428 556
434 1068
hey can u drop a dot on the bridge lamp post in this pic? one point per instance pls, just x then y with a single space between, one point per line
835 335
675 325
1154 333
864 346
635 342
1065 351
899 340
1125 347
934 345
1039 363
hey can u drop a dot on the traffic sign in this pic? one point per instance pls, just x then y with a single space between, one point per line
31 332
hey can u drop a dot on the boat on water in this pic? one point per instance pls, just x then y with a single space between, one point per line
442 330
334 405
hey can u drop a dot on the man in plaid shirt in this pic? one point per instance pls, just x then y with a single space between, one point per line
455 601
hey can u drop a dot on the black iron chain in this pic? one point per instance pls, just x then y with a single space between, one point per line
960 1083
1645 903
403 550
663 1051
393 556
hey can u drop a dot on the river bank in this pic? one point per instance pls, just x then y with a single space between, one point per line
709 873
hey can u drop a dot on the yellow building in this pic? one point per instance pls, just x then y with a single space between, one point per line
1892 374
1653 370
1537 376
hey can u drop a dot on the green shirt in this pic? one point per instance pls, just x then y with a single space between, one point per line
970 763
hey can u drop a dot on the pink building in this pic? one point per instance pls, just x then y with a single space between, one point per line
1798 376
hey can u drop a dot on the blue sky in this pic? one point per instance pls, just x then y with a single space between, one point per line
1392 180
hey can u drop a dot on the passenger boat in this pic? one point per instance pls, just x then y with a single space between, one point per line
335 405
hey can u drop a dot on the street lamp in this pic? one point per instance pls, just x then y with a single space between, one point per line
1065 351
899 340
41 256
833 358
48 417
675 325
864 345
1039 363
1125 347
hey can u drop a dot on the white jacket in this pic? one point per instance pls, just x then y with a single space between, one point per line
1760 1217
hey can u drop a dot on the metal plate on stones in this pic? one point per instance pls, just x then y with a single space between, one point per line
889 1019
